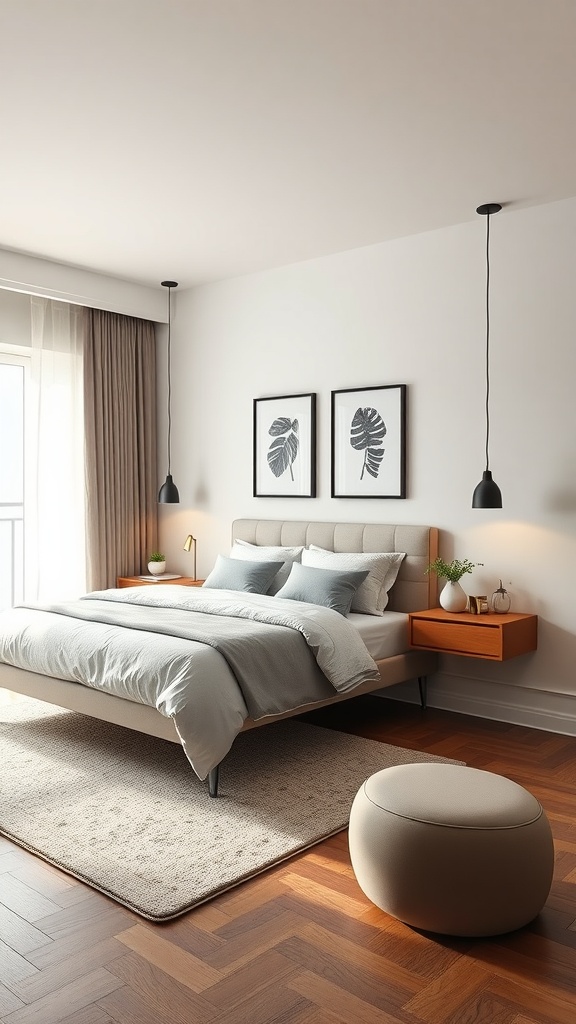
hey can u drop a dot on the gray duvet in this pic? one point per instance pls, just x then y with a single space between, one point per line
208 659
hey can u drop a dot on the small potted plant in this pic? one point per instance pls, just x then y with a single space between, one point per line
453 597
157 564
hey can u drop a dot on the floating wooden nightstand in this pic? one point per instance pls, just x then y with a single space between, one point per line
493 637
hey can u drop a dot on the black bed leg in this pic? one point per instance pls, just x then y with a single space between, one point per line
213 777
423 687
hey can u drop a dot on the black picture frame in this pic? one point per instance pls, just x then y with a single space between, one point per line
369 442
284 446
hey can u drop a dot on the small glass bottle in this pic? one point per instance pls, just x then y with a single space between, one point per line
500 600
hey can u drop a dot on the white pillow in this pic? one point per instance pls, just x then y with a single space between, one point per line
371 597
261 553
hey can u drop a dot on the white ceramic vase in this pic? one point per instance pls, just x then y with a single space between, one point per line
156 568
453 597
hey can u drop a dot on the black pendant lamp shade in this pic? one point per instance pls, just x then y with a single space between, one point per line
169 492
487 493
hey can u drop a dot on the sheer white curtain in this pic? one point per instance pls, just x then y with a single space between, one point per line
54 499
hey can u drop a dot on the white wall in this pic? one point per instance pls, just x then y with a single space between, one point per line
410 311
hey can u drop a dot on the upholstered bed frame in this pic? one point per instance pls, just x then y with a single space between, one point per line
412 591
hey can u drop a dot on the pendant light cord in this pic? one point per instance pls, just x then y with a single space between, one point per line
169 492
487 336
487 494
169 376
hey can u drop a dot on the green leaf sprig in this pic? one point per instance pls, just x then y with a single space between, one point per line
454 570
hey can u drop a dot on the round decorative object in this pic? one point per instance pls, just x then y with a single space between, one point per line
500 600
156 568
450 849
453 597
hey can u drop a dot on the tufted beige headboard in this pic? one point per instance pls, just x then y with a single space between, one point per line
413 590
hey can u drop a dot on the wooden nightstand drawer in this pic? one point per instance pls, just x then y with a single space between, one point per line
478 641
494 637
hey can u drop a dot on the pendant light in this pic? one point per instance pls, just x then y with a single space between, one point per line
169 492
487 493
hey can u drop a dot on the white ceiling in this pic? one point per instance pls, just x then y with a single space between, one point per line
200 139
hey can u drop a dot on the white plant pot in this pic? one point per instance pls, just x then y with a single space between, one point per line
453 597
156 568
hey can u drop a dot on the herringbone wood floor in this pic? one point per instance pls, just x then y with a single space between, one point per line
301 944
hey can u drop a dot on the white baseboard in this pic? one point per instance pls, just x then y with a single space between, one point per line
518 705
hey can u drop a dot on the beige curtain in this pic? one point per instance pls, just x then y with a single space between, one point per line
120 439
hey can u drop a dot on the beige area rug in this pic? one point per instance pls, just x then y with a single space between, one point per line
125 813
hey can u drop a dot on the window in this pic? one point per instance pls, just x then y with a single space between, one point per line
14 375
41 453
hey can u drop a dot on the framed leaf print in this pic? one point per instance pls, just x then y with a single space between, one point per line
284 462
369 442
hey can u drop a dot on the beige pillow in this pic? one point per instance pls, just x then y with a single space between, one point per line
271 553
371 597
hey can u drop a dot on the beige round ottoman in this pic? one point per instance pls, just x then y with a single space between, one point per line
451 849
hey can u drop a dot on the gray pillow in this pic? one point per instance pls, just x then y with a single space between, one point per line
322 586
268 553
233 574
383 567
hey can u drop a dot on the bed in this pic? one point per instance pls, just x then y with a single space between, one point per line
413 590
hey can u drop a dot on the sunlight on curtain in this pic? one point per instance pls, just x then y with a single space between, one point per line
55 536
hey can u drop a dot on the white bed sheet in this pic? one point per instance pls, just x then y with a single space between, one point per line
384 635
